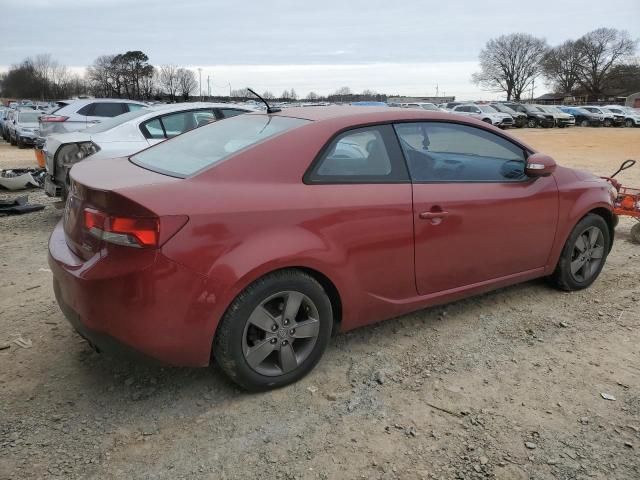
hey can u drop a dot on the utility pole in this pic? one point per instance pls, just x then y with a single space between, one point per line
229 89
200 82
208 87
437 90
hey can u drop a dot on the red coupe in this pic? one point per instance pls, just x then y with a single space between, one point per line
250 240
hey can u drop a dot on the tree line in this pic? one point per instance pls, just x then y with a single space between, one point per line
595 65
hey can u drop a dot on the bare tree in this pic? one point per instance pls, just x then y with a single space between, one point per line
241 93
100 76
343 91
602 49
510 63
168 80
293 95
187 82
562 65
285 94
312 96
149 85
268 95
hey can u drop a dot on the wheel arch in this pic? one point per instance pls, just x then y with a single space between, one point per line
609 217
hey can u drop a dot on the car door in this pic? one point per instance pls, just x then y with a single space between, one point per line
361 187
477 216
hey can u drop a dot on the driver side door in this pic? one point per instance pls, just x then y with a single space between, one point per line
477 216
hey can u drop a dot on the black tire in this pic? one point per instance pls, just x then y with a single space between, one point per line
20 143
532 123
562 277
584 123
12 140
608 123
635 233
487 120
628 123
231 336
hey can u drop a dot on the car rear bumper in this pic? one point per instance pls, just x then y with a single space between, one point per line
160 311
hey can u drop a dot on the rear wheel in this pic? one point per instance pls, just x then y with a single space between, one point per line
628 122
583 255
20 143
275 331
608 122
532 123
12 140
584 123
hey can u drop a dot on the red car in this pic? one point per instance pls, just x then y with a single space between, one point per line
251 240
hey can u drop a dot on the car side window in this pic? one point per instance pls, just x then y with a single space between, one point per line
134 106
177 123
452 152
361 155
230 112
111 109
203 117
153 129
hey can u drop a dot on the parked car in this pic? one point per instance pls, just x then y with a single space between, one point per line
583 118
431 107
80 114
535 116
519 118
631 116
608 118
250 240
562 119
485 113
369 104
8 121
3 115
451 105
124 135
23 130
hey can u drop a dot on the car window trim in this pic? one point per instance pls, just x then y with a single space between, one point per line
526 153
393 150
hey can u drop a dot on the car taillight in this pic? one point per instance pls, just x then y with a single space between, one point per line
130 232
53 118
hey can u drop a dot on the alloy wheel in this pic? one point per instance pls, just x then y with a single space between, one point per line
587 254
280 333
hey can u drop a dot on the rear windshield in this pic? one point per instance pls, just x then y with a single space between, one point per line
109 123
28 117
190 152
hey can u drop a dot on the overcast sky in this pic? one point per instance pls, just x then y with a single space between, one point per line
401 46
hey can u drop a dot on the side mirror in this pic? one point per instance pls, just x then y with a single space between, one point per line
540 165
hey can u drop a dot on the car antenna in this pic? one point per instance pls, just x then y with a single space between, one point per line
270 109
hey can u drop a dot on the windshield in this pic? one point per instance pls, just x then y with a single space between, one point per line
189 153
28 117
109 123
487 109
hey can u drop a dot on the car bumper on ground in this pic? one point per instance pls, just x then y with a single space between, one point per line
123 308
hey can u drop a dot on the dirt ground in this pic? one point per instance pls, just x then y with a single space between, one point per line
506 385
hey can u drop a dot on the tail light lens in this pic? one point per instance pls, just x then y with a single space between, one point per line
138 232
53 118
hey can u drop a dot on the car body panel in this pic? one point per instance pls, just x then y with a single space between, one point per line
363 238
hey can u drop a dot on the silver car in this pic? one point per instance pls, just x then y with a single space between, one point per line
561 118
485 113
631 116
23 129
125 135
80 114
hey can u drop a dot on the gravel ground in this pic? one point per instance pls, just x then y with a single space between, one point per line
506 385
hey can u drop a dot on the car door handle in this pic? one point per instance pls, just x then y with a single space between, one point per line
430 215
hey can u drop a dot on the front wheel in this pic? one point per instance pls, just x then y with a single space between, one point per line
532 123
628 122
635 233
584 123
275 331
583 255
608 123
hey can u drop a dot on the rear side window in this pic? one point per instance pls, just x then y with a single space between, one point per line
200 148
174 124
362 155
230 112
451 152
107 109
134 106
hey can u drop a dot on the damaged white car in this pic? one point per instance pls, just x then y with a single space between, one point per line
125 135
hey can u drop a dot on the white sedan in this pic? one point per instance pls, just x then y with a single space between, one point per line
125 135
